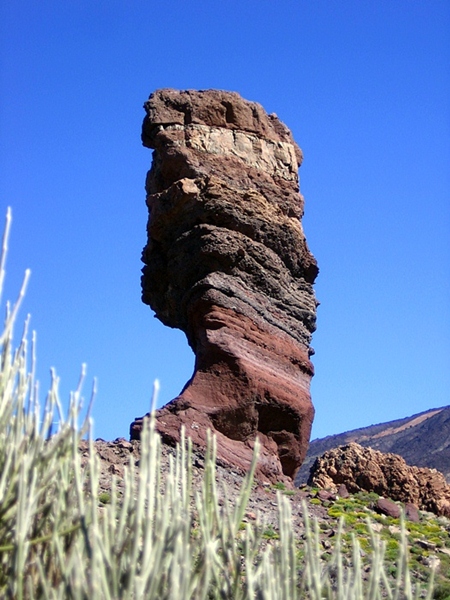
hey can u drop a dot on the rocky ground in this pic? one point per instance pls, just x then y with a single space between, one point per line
429 536
114 456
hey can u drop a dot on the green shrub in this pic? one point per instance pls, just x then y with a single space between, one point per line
105 498
279 485
442 592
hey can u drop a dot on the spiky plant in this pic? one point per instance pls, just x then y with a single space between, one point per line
162 538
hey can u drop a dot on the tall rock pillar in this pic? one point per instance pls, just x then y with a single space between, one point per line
227 262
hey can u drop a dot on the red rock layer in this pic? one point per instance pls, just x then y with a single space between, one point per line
227 262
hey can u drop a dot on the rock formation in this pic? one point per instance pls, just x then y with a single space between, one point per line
227 262
422 439
388 475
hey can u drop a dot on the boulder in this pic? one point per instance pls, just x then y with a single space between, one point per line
388 507
227 262
388 475
412 512
342 491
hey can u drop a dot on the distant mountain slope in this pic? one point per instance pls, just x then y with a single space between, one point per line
423 440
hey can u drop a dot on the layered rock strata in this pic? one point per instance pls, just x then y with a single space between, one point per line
227 262
360 468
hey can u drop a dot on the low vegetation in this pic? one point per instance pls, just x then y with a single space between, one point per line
428 540
62 537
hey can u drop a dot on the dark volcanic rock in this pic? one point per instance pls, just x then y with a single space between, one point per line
227 262
411 512
388 507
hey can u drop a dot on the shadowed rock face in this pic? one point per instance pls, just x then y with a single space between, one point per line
227 262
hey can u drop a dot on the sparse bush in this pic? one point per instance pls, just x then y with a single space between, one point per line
105 498
162 538
442 592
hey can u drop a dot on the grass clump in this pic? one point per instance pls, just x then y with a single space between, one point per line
105 498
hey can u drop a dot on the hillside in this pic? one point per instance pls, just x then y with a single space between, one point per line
422 439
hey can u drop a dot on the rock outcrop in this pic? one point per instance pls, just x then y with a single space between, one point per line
422 439
388 475
227 262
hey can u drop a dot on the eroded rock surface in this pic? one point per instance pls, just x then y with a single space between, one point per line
227 262
388 475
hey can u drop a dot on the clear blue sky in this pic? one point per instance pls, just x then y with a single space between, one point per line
365 88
